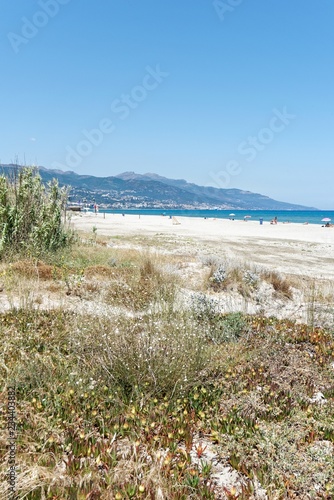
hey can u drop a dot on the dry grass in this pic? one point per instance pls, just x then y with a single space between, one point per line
141 286
281 285
99 271
33 269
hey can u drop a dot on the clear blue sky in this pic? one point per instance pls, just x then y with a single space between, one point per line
237 93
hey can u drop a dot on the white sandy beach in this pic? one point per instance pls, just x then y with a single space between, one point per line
290 248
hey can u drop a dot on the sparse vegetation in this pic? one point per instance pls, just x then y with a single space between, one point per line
218 327
281 285
125 392
227 277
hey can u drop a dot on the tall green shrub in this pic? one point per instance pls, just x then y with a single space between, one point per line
31 214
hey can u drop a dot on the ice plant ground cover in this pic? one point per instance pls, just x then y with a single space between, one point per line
124 389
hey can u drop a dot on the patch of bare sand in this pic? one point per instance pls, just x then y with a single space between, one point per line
306 250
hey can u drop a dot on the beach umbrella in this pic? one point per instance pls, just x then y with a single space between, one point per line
247 216
232 215
326 219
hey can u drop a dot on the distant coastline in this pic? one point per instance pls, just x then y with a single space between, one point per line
151 191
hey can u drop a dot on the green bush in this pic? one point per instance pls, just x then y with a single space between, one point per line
31 214
219 327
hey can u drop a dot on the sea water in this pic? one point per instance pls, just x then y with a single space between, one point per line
296 216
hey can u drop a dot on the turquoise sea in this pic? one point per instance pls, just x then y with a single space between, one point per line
298 216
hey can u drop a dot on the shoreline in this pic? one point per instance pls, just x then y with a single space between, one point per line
212 228
286 216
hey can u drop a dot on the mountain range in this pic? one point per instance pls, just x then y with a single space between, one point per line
130 190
